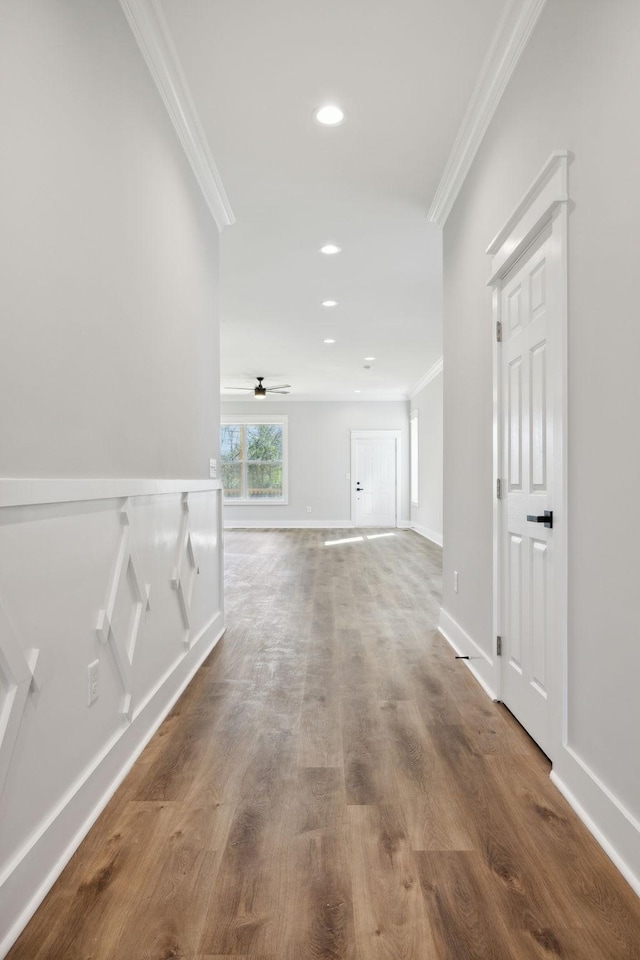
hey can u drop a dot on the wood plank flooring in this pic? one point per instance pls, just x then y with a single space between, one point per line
334 785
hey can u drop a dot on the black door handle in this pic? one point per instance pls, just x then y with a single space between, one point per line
547 519
359 489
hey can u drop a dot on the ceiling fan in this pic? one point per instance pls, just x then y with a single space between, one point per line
261 391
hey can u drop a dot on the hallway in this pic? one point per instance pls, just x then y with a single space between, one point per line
335 784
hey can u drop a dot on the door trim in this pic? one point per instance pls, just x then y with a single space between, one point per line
377 435
544 204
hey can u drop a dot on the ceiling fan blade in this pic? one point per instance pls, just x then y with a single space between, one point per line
238 388
271 390
279 386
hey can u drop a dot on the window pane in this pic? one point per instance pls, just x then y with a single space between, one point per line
251 460
231 480
264 441
264 481
230 442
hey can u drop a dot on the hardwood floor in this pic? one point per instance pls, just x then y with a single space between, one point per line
334 785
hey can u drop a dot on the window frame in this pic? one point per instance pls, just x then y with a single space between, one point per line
243 420
414 458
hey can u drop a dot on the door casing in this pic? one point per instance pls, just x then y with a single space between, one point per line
544 206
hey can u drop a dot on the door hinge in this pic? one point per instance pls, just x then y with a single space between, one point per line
499 489
498 646
499 331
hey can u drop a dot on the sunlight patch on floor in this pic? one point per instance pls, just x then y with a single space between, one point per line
333 543
372 536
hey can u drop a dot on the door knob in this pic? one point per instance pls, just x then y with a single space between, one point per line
547 519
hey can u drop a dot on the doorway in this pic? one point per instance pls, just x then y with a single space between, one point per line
375 471
530 571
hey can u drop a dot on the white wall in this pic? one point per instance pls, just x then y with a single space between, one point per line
426 517
108 370
108 258
576 88
320 458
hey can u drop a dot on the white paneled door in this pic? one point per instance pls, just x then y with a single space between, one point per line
529 371
375 481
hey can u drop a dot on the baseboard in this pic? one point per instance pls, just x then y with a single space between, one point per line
288 524
596 806
607 819
299 525
427 534
22 887
480 664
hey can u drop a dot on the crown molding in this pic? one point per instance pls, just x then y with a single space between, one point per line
512 35
319 398
430 375
152 34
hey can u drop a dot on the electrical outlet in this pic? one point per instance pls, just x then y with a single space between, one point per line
92 677
455 581
213 469
308 509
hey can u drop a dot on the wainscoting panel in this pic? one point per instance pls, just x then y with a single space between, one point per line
131 581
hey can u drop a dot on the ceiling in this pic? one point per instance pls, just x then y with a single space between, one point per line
403 72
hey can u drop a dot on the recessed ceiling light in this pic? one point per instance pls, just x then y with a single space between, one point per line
357 391
330 115
330 248
329 303
369 358
328 341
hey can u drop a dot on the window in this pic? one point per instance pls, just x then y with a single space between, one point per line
253 454
413 423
